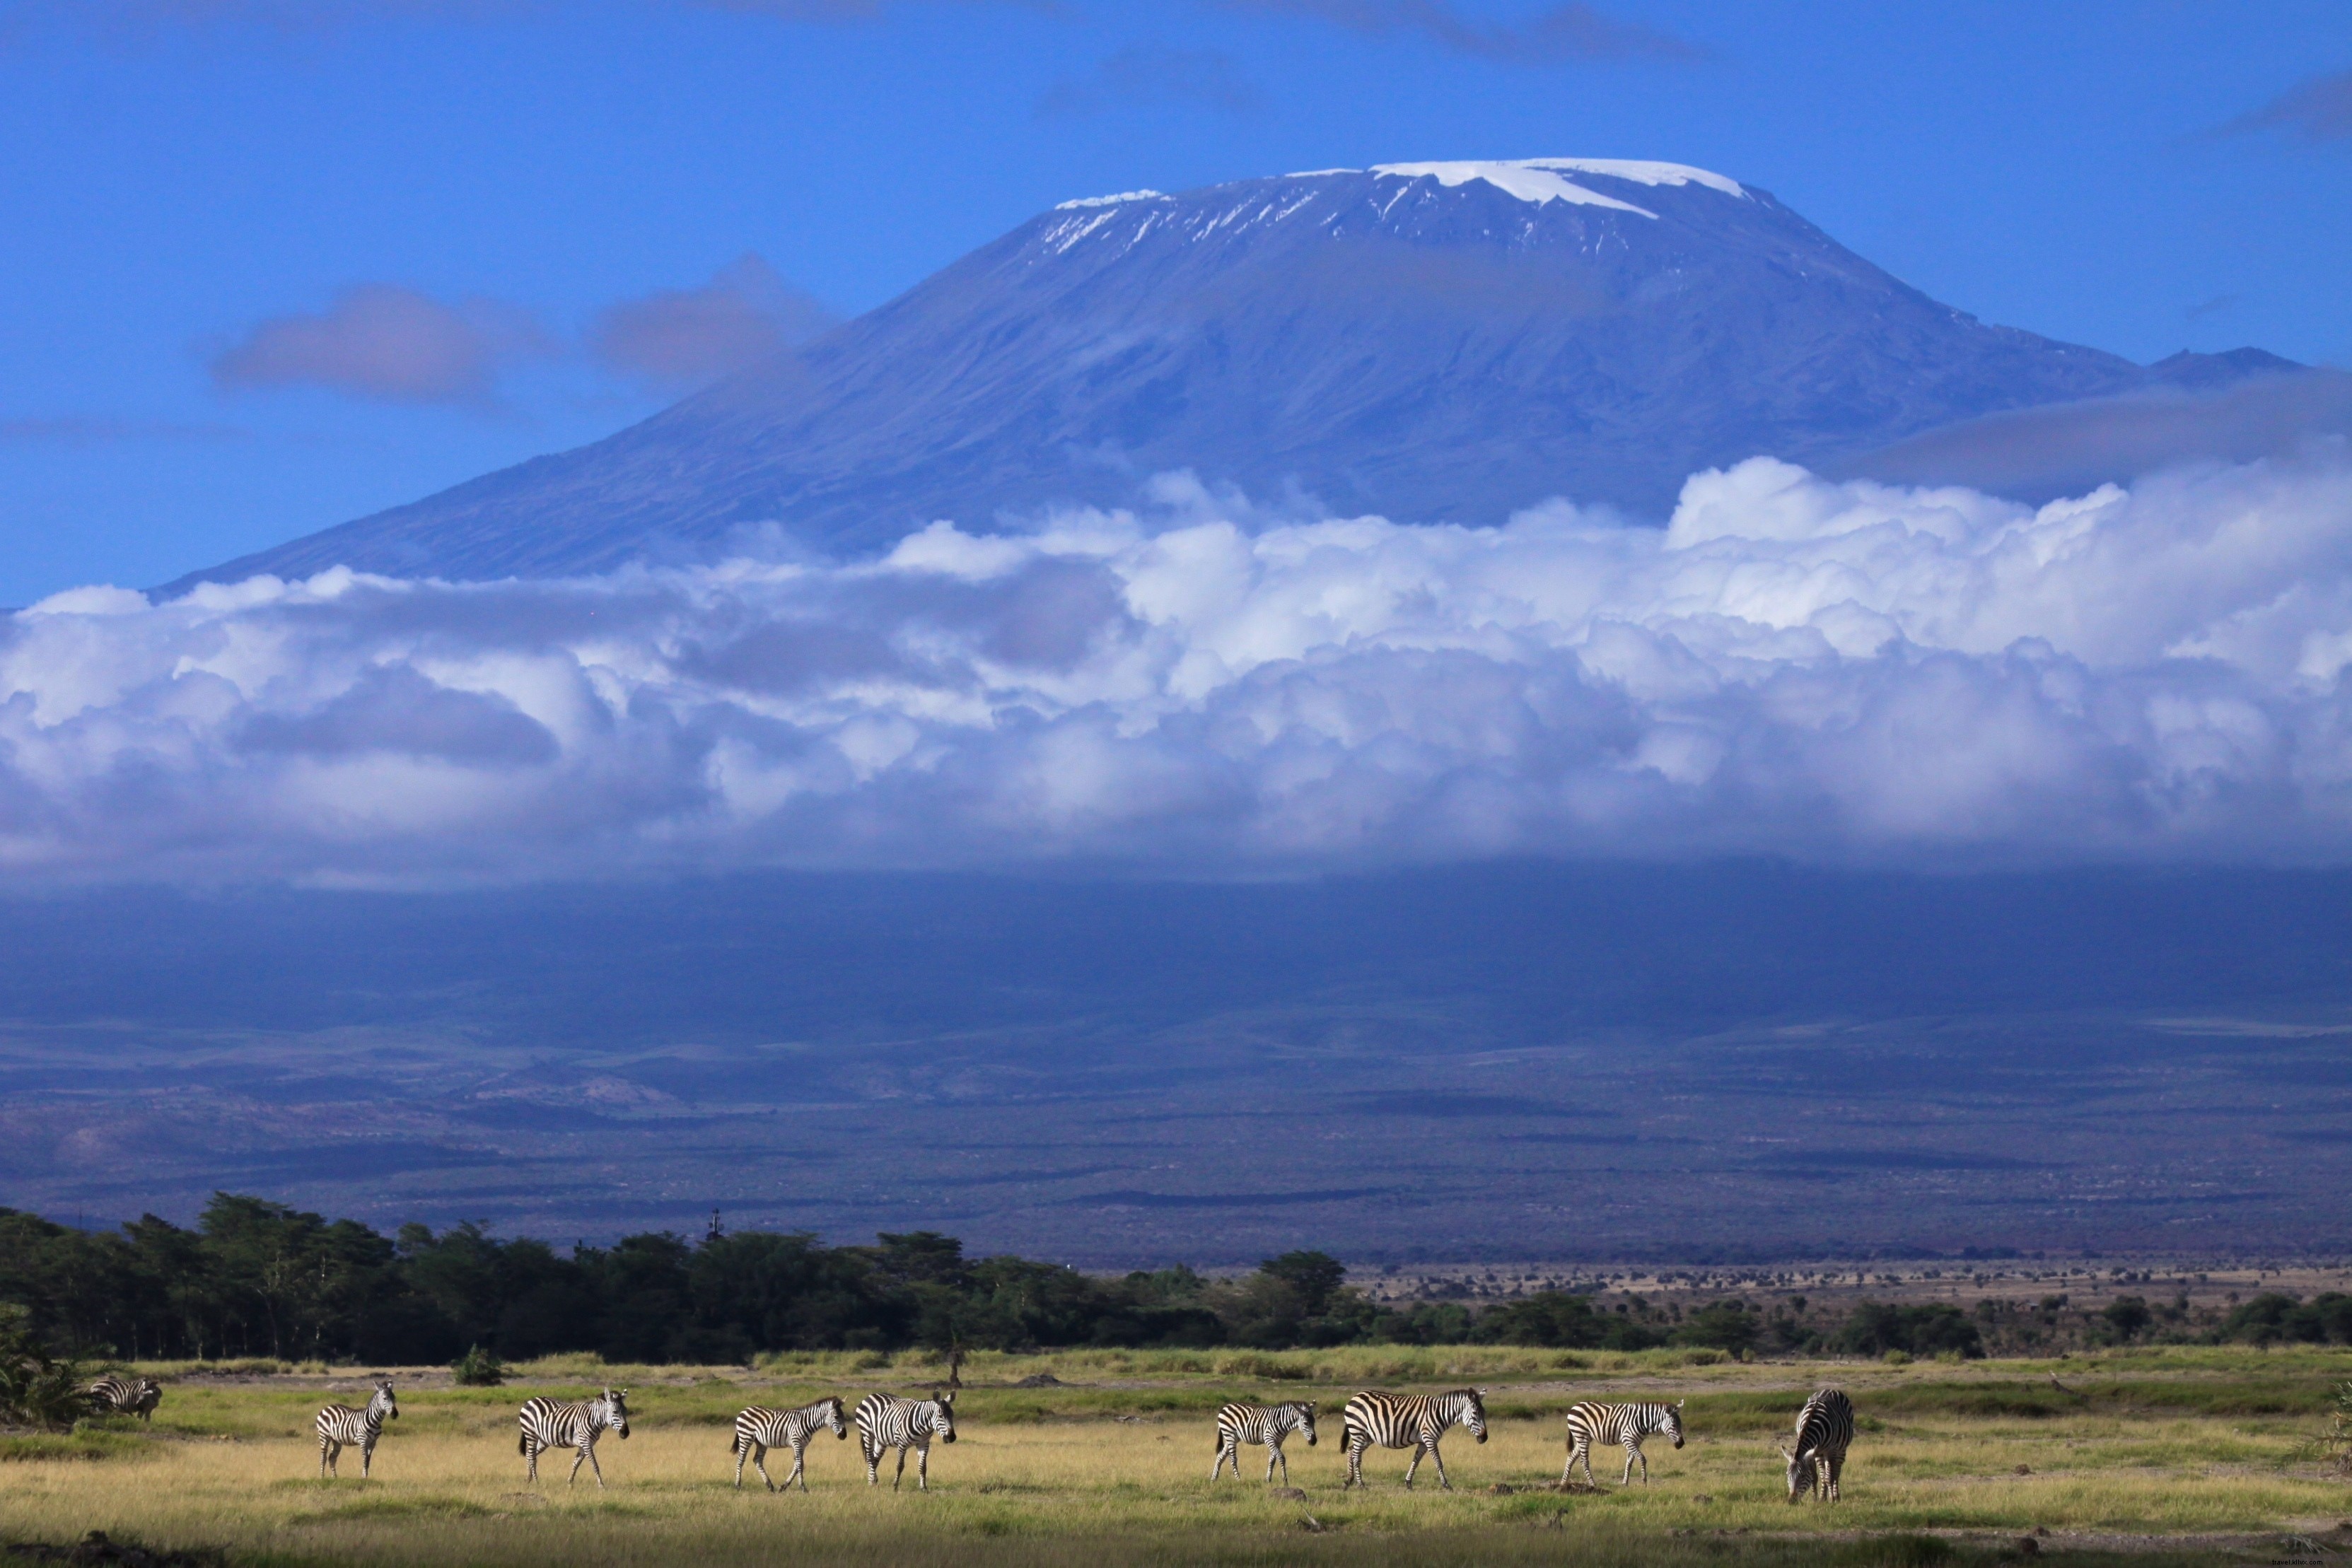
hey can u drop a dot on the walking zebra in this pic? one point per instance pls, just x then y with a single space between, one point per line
1268 1424
1824 1428
117 1395
340 1425
760 1428
1414 1421
573 1424
886 1421
1590 1425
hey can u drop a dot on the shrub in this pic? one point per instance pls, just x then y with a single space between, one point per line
36 1388
477 1368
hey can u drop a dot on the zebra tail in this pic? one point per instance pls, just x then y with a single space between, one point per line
522 1442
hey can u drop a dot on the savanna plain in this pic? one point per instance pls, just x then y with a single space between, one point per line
2157 1455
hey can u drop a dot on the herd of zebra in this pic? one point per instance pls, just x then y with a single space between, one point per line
885 1422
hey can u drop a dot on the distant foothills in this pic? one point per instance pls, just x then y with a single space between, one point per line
255 1278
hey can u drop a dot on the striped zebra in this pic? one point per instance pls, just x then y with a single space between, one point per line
1414 1421
340 1427
1590 1425
1824 1428
760 1428
573 1424
119 1396
1269 1424
886 1421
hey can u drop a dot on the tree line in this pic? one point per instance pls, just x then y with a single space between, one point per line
255 1277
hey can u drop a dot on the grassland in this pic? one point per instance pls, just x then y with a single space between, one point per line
2172 1456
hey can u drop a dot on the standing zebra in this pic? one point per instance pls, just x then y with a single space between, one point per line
1590 1425
1414 1421
886 1421
119 1396
340 1426
759 1429
1824 1428
1268 1424
573 1424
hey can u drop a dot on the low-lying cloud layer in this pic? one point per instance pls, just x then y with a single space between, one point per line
1836 672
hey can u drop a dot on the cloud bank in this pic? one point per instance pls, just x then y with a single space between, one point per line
685 337
1837 672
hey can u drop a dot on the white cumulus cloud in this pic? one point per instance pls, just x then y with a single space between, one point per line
1835 672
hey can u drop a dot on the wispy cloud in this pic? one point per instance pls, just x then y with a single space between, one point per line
1154 73
383 341
2219 303
1821 671
685 337
1562 34
2317 110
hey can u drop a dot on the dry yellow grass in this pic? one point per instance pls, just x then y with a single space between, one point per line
2156 1446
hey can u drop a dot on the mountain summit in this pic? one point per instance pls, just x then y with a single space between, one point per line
1432 342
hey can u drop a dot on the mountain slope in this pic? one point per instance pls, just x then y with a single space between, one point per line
1446 340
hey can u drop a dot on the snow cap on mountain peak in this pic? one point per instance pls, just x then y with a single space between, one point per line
1119 200
1541 180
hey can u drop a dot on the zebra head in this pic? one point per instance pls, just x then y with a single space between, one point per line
1471 1408
1673 1424
1307 1419
612 1410
1801 1472
834 1418
943 1414
381 1403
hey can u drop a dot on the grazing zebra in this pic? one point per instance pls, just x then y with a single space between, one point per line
886 1421
1824 1428
573 1424
1414 1421
119 1396
1590 1425
1268 1424
759 1429
340 1424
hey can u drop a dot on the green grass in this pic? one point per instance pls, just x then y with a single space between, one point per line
2164 1448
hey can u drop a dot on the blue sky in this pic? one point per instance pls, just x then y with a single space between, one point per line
193 185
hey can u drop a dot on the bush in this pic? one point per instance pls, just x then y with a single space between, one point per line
36 1388
477 1368
1877 1328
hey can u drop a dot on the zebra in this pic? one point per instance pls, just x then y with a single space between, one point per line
573 1424
1414 1421
1269 1424
340 1426
1824 1428
759 1429
119 1396
886 1421
1589 1425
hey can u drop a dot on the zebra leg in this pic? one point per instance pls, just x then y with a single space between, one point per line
873 1463
1218 1469
800 1465
1836 1468
592 1463
741 1451
760 1460
902 1474
1413 1466
367 1458
1274 1452
1355 1463
323 1446
1439 1459
923 1465
530 1450
1633 1454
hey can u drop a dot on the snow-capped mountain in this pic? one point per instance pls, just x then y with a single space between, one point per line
1427 340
